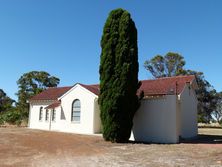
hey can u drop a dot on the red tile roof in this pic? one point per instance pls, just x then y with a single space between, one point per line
53 105
92 88
51 93
165 86
161 86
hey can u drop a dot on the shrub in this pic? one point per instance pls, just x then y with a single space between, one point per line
12 117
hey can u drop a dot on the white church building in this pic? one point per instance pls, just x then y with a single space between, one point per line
167 113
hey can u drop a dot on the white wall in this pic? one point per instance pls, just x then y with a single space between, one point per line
86 124
155 121
34 121
159 120
188 109
56 124
89 117
96 119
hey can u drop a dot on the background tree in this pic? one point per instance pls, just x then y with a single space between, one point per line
217 113
118 76
32 83
207 97
165 66
5 101
172 64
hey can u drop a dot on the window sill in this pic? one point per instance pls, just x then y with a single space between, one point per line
75 122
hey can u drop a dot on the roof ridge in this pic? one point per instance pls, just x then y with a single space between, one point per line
59 87
163 78
157 86
155 79
88 84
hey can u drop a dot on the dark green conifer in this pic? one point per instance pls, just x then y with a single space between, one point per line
118 76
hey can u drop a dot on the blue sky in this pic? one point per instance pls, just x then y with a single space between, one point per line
62 37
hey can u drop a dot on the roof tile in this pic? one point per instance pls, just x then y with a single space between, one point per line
165 86
51 93
161 86
53 105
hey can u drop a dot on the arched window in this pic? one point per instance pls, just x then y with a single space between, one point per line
76 111
40 113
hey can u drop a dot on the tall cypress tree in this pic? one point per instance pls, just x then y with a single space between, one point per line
118 76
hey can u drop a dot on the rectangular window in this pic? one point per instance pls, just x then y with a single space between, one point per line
53 115
40 113
47 115
62 116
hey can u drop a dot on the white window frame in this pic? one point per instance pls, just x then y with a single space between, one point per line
46 115
53 115
76 111
40 113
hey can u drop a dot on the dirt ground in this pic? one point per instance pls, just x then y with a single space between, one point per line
26 147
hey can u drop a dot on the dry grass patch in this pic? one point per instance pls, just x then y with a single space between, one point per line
26 147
